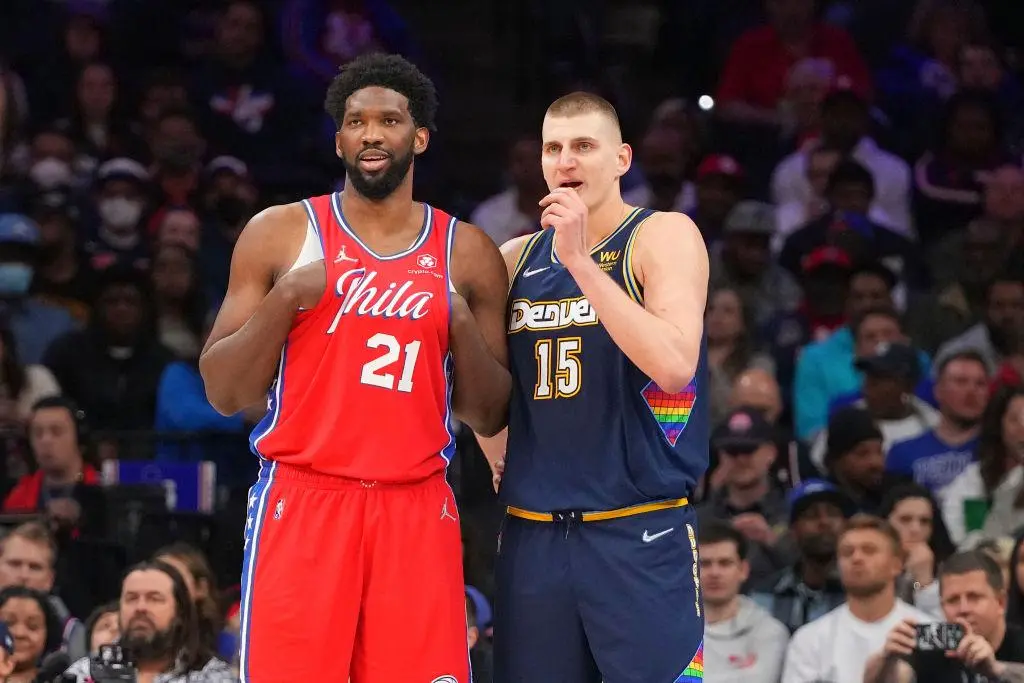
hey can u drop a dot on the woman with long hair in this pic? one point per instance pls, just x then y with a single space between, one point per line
730 347
34 627
987 497
202 586
913 512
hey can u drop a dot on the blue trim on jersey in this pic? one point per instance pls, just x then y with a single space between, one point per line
315 223
259 496
448 452
428 221
270 420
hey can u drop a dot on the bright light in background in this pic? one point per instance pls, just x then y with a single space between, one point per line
706 102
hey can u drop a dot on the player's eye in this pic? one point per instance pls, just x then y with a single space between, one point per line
391 122
585 146
354 122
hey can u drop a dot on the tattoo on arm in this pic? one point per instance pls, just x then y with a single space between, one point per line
1012 673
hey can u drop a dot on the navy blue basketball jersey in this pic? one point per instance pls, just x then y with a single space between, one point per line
588 430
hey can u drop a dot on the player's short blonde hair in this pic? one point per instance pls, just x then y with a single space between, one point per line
580 102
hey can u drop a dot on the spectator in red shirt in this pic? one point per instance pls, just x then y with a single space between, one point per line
777 74
56 487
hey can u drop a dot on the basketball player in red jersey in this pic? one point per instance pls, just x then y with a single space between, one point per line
358 313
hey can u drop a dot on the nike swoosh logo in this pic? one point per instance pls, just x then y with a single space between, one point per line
647 538
528 272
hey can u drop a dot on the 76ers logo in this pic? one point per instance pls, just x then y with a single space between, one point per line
360 295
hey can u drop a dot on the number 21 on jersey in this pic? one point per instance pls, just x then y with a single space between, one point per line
559 371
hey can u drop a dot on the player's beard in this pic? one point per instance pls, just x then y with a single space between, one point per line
379 186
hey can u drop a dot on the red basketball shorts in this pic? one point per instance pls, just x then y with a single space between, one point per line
345 580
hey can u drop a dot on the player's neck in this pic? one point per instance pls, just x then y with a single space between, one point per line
388 213
605 218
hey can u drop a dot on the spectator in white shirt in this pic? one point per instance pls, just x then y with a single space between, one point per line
515 211
836 647
845 118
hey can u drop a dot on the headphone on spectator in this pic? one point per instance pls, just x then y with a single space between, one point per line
82 433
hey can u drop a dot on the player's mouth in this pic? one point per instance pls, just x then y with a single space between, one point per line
574 184
374 161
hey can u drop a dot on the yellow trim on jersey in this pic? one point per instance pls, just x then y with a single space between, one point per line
628 275
601 516
600 245
523 254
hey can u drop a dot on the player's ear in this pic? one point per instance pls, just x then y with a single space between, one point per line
421 140
337 145
623 160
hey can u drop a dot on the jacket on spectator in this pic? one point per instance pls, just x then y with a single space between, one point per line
25 495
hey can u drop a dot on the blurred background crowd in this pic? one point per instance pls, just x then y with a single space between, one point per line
854 166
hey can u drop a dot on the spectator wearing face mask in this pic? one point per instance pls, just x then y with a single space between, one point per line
121 186
34 324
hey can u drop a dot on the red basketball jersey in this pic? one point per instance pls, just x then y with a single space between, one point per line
363 387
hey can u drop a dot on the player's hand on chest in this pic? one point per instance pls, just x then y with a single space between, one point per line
305 286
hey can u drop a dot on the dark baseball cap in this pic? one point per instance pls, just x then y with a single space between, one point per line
890 360
743 429
817 490
848 428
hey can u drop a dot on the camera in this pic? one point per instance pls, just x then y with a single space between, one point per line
111 665
938 637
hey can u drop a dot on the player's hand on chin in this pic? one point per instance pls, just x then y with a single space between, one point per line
304 286
566 214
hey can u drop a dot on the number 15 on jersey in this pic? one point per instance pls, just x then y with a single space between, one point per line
559 371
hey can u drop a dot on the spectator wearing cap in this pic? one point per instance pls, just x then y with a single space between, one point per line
934 459
1003 320
744 262
845 122
112 368
35 324
120 199
61 277
720 186
6 651
228 202
879 325
742 489
847 225
810 587
755 87
835 297
854 458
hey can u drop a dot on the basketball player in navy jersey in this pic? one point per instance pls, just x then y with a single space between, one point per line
597 573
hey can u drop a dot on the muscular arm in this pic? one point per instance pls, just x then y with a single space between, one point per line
663 337
479 348
241 355
494 446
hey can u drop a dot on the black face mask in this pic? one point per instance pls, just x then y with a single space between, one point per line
231 210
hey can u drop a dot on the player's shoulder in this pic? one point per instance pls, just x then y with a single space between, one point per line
669 230
279 219
273 235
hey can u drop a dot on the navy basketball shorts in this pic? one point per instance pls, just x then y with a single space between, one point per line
616 601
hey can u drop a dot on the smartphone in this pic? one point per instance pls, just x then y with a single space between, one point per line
938 637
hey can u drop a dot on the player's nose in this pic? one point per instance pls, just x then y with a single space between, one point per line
373 134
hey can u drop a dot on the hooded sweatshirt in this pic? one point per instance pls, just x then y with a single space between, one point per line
749 648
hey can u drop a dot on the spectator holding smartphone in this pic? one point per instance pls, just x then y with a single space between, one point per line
973 596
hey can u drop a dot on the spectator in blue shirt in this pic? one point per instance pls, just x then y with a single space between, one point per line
936 457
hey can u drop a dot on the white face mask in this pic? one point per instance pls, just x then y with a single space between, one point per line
120 212
49 173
